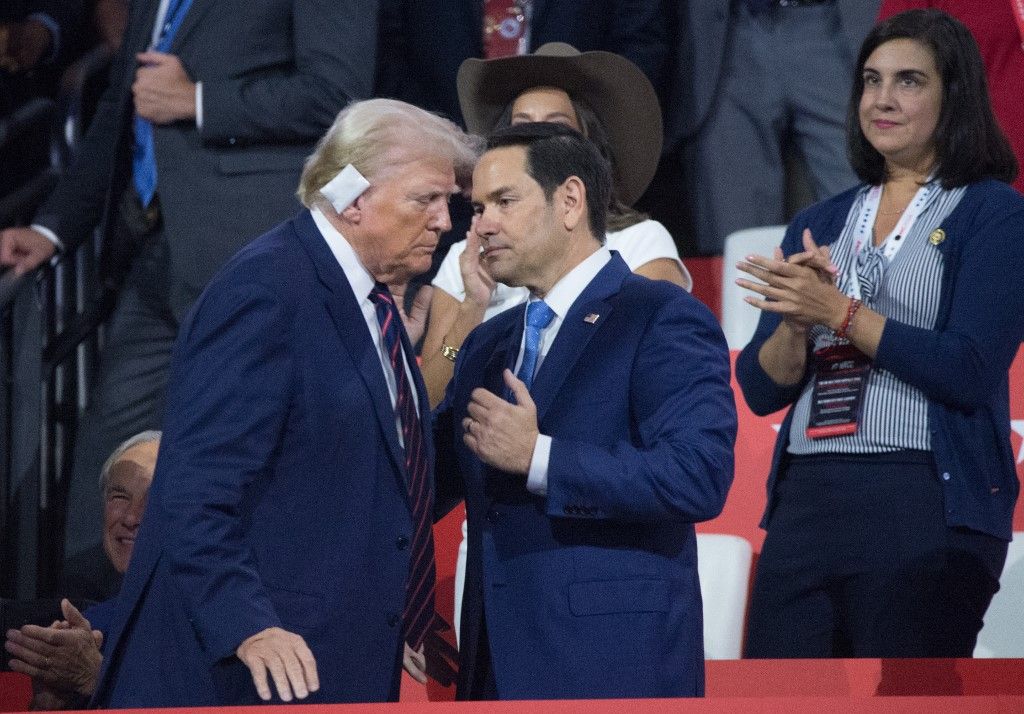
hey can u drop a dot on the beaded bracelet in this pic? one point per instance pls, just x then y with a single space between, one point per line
851 310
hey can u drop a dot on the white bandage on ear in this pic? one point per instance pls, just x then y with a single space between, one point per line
345 188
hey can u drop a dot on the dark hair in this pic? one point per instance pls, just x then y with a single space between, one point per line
620 215
969 145
554 152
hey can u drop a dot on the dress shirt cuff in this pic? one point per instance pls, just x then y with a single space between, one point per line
50 236
199 106
537 477
51 25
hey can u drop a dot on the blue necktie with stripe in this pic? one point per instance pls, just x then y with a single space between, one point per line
418 616
144 155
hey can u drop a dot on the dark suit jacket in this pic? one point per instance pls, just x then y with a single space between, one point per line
279 495
423 42
592 591
698 61
275 73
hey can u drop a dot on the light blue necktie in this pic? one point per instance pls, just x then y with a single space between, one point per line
144 155
538 317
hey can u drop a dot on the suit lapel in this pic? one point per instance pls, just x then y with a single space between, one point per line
191 22
143 31
348 320
506 349
584 318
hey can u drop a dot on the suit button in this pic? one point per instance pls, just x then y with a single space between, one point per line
402 542
393 620
492 516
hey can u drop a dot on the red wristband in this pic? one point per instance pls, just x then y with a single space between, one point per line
851 310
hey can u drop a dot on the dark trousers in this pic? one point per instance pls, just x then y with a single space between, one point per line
481 686
859 562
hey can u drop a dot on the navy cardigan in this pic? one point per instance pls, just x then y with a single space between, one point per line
962 365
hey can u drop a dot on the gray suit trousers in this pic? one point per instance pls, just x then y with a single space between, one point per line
786 82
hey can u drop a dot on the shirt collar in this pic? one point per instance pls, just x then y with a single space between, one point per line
564 293
358 276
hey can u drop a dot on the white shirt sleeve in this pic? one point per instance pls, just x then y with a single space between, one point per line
537 477
643 242
50 236
199 106
449 275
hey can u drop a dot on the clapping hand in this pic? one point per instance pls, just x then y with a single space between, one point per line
801 289
63 658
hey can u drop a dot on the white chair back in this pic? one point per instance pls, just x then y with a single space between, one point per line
460 580
1003 632
738 318
723 564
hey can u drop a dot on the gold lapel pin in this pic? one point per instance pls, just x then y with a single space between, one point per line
591 318
937 236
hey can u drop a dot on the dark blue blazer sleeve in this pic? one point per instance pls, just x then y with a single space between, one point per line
230 391
679 463
962 363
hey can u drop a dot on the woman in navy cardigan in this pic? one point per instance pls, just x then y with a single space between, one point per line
891 315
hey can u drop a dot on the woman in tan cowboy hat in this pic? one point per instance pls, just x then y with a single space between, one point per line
610 101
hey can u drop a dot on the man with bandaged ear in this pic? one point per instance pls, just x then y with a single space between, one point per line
288 550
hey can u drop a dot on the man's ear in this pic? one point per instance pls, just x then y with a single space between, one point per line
353 213
574 202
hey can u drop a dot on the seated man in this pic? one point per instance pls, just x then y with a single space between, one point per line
64 659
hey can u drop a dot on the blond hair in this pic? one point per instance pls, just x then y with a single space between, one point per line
369 133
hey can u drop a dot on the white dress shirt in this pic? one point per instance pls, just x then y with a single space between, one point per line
560 299
362 283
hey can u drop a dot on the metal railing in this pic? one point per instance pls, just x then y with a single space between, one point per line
63 298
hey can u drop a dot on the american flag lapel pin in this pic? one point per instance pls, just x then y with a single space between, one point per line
591 318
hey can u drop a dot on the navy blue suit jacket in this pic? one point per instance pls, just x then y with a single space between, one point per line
279 495
592 591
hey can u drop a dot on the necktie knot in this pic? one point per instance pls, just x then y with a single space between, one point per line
539 315
381 295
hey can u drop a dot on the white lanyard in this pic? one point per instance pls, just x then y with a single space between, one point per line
863 238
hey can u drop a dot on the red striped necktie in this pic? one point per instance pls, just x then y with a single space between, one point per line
418 616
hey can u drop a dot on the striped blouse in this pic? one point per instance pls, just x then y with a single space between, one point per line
894 415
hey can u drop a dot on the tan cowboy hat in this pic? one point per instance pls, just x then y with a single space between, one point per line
615 88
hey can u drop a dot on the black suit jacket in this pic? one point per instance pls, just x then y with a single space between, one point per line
423 42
